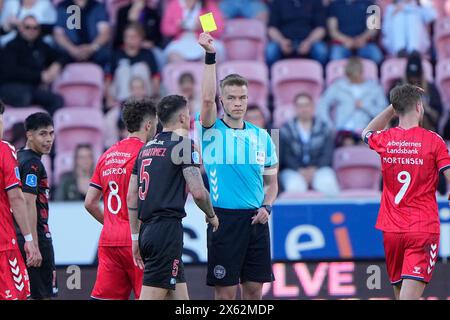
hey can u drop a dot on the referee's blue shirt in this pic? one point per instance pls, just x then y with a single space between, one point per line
234 160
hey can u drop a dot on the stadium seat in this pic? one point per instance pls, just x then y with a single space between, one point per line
293 76
360 193
257 76
311 194
393 69
443 80
442 37
442 7
357 167
81 85
63 163
336 69
15 115
245 39
172 72
282 114
75 126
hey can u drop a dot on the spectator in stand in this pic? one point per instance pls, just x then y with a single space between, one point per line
89 42
187 88
354 101
18 135
29 66
405 27
180 22
431 98
131 61
73 185
306 151
140 11
255 116
15 10
114 127
249 9
297 29
349 33
347 138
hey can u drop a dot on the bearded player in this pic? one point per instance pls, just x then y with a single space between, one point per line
411 158
117 274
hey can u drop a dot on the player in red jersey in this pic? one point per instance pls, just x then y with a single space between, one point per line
411 158
14 282
117 275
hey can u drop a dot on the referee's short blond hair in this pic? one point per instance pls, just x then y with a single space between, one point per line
233 79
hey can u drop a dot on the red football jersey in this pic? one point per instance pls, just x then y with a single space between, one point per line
112 176
411 161
9 178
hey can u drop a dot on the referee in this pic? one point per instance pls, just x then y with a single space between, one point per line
241 163
162 170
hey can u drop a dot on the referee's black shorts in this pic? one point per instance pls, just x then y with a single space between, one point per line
161 247
238 251
43 284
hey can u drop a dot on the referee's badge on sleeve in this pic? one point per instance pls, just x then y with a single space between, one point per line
260 157
16 170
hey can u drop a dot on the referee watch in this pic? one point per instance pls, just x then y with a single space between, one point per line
268 207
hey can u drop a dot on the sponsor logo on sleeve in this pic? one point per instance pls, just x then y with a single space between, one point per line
31 180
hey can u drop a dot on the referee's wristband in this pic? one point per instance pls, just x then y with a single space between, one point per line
28 237
135 236
210 58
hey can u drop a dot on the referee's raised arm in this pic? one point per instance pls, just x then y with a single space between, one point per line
209 109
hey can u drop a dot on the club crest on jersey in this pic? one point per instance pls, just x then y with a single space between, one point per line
16 170
31 180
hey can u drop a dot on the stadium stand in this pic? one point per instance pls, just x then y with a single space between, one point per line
245 39
81 85
287 81
357 167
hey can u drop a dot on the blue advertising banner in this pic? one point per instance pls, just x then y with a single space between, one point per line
335 229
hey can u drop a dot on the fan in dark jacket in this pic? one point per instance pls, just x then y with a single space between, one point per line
306 151
28 67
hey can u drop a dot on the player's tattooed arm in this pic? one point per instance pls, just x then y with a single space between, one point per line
194 180
132 203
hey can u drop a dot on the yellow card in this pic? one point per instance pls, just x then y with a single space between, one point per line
208 23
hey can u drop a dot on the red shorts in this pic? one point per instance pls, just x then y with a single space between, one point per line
117 275
14 281
410 255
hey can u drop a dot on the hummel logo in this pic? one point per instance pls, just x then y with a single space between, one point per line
417 270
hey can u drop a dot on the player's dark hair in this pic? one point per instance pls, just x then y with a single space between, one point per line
169 106
233 80
2 107
405 97
37 121
135 111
